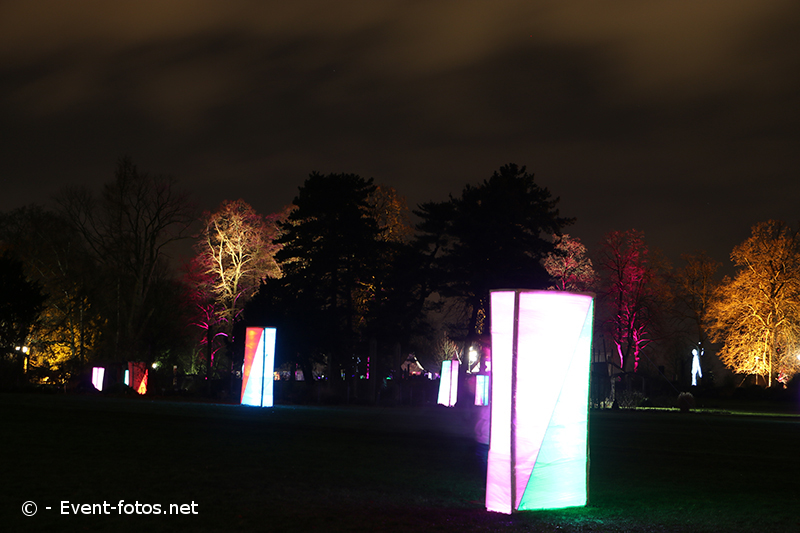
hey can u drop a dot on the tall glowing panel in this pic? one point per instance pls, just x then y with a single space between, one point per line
482 389
259 365
541 342
448 384
98 373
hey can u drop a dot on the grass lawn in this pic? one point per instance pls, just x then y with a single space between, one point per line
371 469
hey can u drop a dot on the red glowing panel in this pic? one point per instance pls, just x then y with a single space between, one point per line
259 364
137 376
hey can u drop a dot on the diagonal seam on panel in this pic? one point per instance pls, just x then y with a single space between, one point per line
550 441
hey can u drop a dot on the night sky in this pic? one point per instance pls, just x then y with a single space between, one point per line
678 118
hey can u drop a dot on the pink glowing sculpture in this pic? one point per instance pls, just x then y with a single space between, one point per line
538 455
259 365
98 373
448 384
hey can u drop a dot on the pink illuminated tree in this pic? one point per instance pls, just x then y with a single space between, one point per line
630 289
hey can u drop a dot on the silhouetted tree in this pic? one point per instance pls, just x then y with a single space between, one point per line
54 256
329 256
128 229
21 302
493 236
693 286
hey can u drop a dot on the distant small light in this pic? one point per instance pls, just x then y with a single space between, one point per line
156 365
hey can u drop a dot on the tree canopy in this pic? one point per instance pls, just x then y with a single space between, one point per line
756 314
330 244
21 303
495 235
630 293
127 230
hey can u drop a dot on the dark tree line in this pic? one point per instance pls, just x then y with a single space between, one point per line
102 262
345 283
341 271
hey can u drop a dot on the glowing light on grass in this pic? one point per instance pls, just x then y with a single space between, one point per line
259 366
98 373
448 384
541 343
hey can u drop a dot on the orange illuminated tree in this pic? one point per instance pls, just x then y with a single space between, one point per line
69 327
569 265
756 314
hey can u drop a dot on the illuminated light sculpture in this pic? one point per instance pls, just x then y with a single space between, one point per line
697 372
481 389
137 376
259 367
98 373
541 355
448 384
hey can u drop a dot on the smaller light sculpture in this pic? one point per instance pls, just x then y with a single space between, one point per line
482 389
137 376
98 373
697 372
259 366
448 384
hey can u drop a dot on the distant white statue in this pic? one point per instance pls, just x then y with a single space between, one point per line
696 370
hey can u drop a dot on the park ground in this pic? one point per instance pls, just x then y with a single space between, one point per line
303 468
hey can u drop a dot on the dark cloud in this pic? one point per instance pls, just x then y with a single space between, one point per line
681 119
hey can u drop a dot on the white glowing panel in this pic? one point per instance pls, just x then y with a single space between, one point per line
98 373
448 384
259 366
541 355
481 389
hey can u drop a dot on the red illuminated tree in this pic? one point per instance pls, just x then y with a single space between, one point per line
629 292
